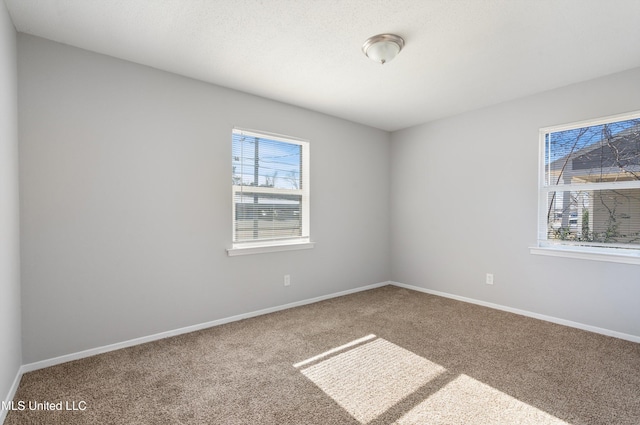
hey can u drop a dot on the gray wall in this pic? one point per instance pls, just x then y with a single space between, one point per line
125 176
464 203
10 339
126 205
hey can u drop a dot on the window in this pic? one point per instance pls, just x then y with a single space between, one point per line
590 189
270 181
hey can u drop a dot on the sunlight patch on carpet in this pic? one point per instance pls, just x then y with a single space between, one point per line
466 400
371 378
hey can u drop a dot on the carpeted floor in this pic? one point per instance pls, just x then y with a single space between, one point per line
384 356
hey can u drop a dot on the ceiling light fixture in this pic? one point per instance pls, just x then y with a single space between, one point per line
383 47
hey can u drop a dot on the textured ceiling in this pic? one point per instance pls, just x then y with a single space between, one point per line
459 54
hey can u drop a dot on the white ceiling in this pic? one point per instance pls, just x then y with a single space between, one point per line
459 54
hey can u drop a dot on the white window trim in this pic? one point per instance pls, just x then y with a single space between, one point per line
273 246
261 247
545 247
585 253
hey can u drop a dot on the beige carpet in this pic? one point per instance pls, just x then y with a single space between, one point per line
385 356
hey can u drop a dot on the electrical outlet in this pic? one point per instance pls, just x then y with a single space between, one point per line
287 280
489 279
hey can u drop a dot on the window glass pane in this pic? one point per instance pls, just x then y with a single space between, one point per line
266 163
600 153
270 187
595 217
262 216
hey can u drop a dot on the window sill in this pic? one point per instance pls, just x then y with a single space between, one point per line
274 247
632 257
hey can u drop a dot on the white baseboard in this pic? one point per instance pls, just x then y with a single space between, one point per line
124 344
11 395
607 332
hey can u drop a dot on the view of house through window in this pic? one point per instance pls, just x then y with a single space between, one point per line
270 188
590 194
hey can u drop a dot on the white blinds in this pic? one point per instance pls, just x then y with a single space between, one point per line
270 187
591 187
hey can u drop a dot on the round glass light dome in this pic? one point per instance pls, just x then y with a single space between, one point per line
383 47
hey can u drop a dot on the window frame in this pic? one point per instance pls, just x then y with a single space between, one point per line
274 245
559 248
